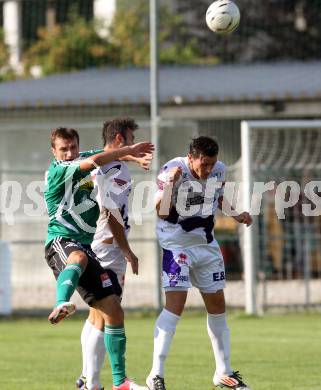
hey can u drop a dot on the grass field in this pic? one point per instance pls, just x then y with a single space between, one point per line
273 352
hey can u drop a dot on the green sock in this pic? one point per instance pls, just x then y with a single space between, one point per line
115 342
67 282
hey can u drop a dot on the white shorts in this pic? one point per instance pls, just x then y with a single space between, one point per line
200 266
112 257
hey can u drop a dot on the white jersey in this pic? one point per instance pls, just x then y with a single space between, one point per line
194 203
113 185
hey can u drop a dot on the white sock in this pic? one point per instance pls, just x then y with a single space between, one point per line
88 326
219 334
95 355
163 334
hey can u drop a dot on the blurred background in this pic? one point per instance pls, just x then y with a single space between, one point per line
78 63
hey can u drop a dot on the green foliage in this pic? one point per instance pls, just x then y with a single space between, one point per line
173 48
77 44
6 72
183 36
72 46
130 33
4 54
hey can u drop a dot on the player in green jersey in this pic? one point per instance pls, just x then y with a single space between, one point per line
73 212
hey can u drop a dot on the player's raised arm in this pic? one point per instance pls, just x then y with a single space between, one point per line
119 235
166 182
100 159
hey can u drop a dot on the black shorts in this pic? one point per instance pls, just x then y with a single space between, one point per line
96 282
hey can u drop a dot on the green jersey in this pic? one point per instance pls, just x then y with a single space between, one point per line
71 202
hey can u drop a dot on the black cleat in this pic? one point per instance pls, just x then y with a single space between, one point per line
80 382
156 383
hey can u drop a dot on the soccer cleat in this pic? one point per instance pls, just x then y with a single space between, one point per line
233 381
62 311
129 385
80 382
155 383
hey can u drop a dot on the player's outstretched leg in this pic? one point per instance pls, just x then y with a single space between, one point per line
233 381
67 282
156 383
61 311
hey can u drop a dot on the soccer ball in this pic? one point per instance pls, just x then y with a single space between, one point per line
223 16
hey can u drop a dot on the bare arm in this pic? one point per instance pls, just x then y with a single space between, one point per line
100 159
118 232
165 202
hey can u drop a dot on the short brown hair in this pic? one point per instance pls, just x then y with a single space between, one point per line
64 133
204 146
117 126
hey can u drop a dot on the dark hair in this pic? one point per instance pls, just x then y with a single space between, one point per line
64 133
205 146
117 126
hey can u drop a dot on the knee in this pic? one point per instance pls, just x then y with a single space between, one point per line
112 312
96 319
175 308
114 318
219 308
175 302
78 257
214 302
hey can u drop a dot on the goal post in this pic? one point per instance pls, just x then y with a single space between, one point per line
5 279
248 247
285 153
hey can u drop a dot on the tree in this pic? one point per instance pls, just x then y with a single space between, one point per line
72 46
6 72
269 31
130 33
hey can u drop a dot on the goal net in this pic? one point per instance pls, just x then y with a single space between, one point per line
281 185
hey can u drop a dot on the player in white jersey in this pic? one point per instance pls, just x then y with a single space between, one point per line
113 185
190 189
116 183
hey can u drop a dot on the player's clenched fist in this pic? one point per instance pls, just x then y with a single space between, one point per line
244 218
